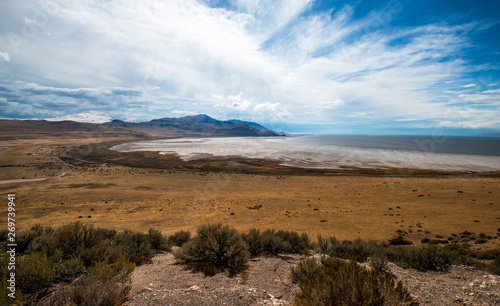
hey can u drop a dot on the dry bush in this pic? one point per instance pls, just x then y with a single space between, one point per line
179 238
216 248
337 282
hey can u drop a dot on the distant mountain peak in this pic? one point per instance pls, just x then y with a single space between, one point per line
197 125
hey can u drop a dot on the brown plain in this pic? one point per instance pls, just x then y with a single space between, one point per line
137 191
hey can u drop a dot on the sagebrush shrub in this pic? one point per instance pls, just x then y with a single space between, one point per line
336 282
179 238
158 242
216 248
76 237
35 272
273 244
357 249
135 246
104 284
423 258
254 241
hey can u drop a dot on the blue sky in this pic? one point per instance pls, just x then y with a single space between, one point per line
364 67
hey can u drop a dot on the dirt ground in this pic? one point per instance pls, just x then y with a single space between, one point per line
173 197
267 282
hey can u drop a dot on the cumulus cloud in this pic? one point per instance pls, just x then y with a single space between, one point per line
267 106
235 102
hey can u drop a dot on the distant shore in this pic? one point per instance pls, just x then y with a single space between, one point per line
102 153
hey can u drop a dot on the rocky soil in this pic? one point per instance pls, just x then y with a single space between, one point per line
267 282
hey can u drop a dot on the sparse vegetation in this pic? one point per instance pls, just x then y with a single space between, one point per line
336 282
91 265
423 258
179 238
358 249
216 248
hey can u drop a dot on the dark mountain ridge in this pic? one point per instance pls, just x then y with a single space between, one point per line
199 125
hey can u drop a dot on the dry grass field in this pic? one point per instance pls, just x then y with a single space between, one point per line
170 195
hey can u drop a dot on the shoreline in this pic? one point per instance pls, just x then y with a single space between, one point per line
102 153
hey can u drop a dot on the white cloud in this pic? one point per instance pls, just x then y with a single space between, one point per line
267 106
243 105
492 91
217 97
4 56
283 114
233 101
92 117
405 120
469 85
180 113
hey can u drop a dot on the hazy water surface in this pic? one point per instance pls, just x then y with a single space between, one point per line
334 151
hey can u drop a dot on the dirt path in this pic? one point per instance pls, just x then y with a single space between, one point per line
267 283
21 181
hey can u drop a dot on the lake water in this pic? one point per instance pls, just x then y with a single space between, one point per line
335 151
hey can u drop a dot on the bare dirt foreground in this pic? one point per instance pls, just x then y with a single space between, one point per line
267 282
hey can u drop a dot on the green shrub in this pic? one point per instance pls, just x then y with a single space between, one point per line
135 246
423 258
490 254
24 239
216 248
254 241
306 270
104 250
273 244
179 238
357 249
299 244
34 272
336 282
104 284
69 269
46 244
75 237
494 267
158 242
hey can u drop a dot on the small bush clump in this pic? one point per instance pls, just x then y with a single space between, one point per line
35 272
179 238
79 255
135 246
104 284
358 249
271 242
216 248
423 258
158 242
336 282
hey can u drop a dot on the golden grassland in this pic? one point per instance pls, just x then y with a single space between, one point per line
170 195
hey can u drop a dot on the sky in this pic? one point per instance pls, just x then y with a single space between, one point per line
360 67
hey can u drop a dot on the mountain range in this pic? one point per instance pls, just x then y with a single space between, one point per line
190 126
199 125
